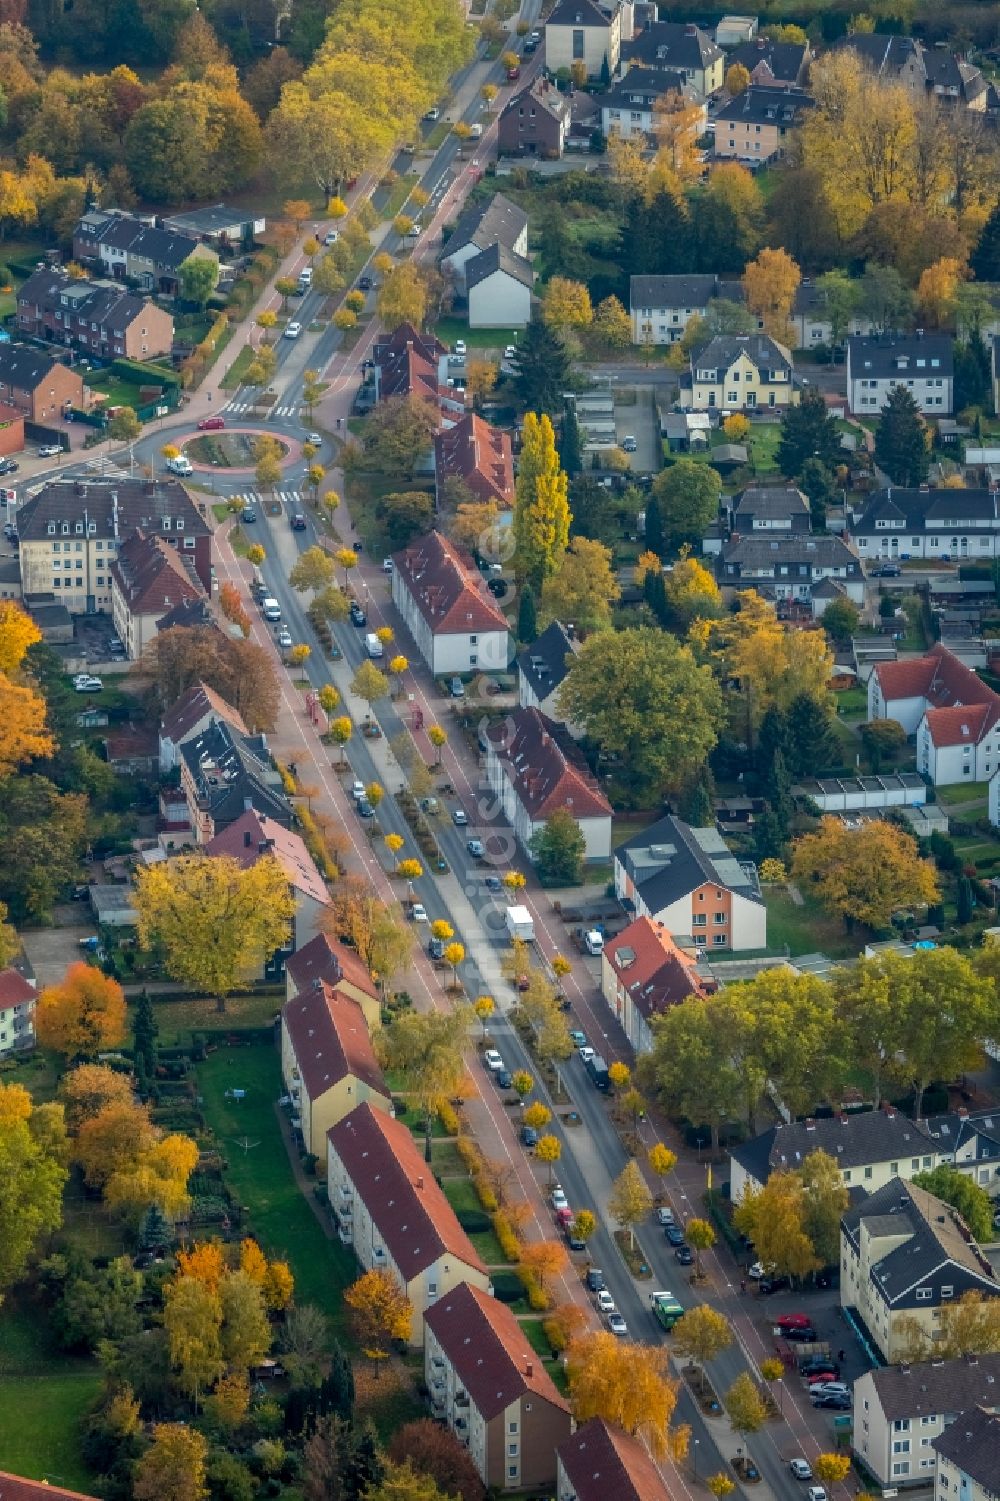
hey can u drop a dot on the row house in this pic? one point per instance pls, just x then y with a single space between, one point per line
661 307
477 456
94 316
643 974
944 525
542 669
629 108
792 568
37 385
342 971
924 71
456 623
739 373
498 222
679 46
600 1460
131 250
756 126
534 767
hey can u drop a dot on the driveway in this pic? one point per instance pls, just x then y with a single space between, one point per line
51 951
641 421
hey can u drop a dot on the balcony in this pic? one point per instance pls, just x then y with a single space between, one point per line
461 1399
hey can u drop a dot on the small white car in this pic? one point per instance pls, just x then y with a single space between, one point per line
759 1270
459 817
85 682
387 565
357 788
492 1060
558 1197
418 912
50 451
433 114
629 445
830 1389
510 353
284 638
316 439
414 231
586 1054
801 1469
292 330
460 347
816 1493
605 1302
617 1325
664 1216
331 237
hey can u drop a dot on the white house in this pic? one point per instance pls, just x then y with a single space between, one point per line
944 525
953 713
793 566
643 974
678 45
739 372
498 284
451 615
17 1012
580 31
542 669
499 221
190 717
969 1457
661 307
923 363
393 1214
899 1411
629 108
689 880
533 767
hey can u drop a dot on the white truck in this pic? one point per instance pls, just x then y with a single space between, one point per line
180 465
520 924
373 645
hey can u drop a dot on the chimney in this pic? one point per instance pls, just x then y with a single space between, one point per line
529 1369
842 1118
962 1113
420 1182
890 1114
690 29
810 1124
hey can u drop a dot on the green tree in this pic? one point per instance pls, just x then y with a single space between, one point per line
840 619
527 621
687 494
641 696
701 1335
900 443
984 263
32 1176
808 432
124 426
826 1202
884 298
558 849
957 1189
656 541
817 482
542 369
198 275
570 442
838 296
427 1050
744 1405
630 1199
369 683
541 508
145 1031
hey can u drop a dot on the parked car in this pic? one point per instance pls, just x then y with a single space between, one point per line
819 1363
292 330
10 466
456 688
358 616
211 424
684 1255
493 883
605 1302
801 1469
786 1321
759 1269
248 515
664 1216
816 1493
492 1060
50 450
529 1136
617 1325
476 848
418 912
459 347
497 587
331 237
365 283
284 638
840 1402
564 1217
510 353
435 948
433 114
459 817
586 1053
806 1336
674 1235
595 1279
773 1284
387 565
316 439
364 807
629 445
830 1389
85 682
558 1197
504 1079
578 1038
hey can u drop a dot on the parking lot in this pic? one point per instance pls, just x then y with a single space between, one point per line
640 420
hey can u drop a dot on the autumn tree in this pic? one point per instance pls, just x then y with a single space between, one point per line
831 1469
582 588
744 1405
737 79
241 672
630 1199
566 304
23 733
564 1324
774 1218
173 1467
769 285
623 1383
541 509
701 1334
382 940
88 1088
32 1176
700 1237
402 297
426 1049
314 569
113 1141
826 1202
214 922
770 666
687 494
863 874
18 632
433 1450
381 1313
548 1149
691 592
82 1016
540 1263
158 1176
245 1333
192 1318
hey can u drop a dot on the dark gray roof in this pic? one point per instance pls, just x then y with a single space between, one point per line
938 1250
761 105
919 510
671 859
878 355
544 663
111 307
858 1140
766 353
785 550
165 248
230 769
643 86
673 44
497 257
546 96
694 292
938 1386
785 60
115 507
578 13
191 613
884 53
972 1443
24 368
773 502
217 219
484 224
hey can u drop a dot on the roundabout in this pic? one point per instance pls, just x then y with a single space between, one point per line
234 450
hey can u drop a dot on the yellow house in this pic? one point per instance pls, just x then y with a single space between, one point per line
392 1211
324 958
328 1062
739 372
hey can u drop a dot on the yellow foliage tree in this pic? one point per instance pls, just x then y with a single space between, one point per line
113 1141
84 1015
737 79
89 1087
566 304
630 1199
832 1469
159 1177
623 1383
541 511
17 632
769 285
582 588
173 1467
937 292
691 591
381 1312
23 735
205 1262
230 1402
192 1318
864 874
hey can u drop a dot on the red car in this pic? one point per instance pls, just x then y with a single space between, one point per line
211 424
564 1217
513 74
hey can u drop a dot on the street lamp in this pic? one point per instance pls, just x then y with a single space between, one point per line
695 1443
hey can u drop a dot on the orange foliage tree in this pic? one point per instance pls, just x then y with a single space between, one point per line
84 1015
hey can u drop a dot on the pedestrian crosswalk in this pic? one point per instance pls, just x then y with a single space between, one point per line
291 500
106 469
247 404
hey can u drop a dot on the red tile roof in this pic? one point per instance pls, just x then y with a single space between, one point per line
14 989
192 707
962 726
654 971
151 575
601 1461
447 587
323 958
480 456
546 767
410 1211
330 1039
253 835
16 1488
960 707
489 1351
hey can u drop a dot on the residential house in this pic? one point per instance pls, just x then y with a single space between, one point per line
38 385
392 1212
500 221
16 1488
968 1456
792 567
682 47
811 320
953 713
899 1411
133 750
479 457
542 669
581 31
98 317
149 578
755 126
643 974
601 1461
923 70
454 620
11 436
662 306
222 774
228 229
17 1015
489 1386
923 363
771 63
253 836
904 1255
689 880
328 1063
770 508
341 969
739 372
871 1148
408 363
944 525
71 530
498 285
628 108
535 122
189 717
534 767
733 31
132 250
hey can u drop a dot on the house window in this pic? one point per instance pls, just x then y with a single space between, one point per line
847 1175
579 44
699 920
868 1172
924 1294
901 1425
719 918
901 1446
719 940
947 1292
511 1448
894 1169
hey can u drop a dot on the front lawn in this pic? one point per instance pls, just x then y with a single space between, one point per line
259 1171
963 792
177 1020
497 339
807 929
44 1397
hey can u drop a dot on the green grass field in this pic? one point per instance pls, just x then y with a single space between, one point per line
44 1397
496 339
236 373
807 929
261 1175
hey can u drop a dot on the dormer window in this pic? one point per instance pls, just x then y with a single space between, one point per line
166 523
79 528
51 528
65 528
179 524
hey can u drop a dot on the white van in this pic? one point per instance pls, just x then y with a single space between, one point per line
594 942
180 465
305 279
270 608
373 645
